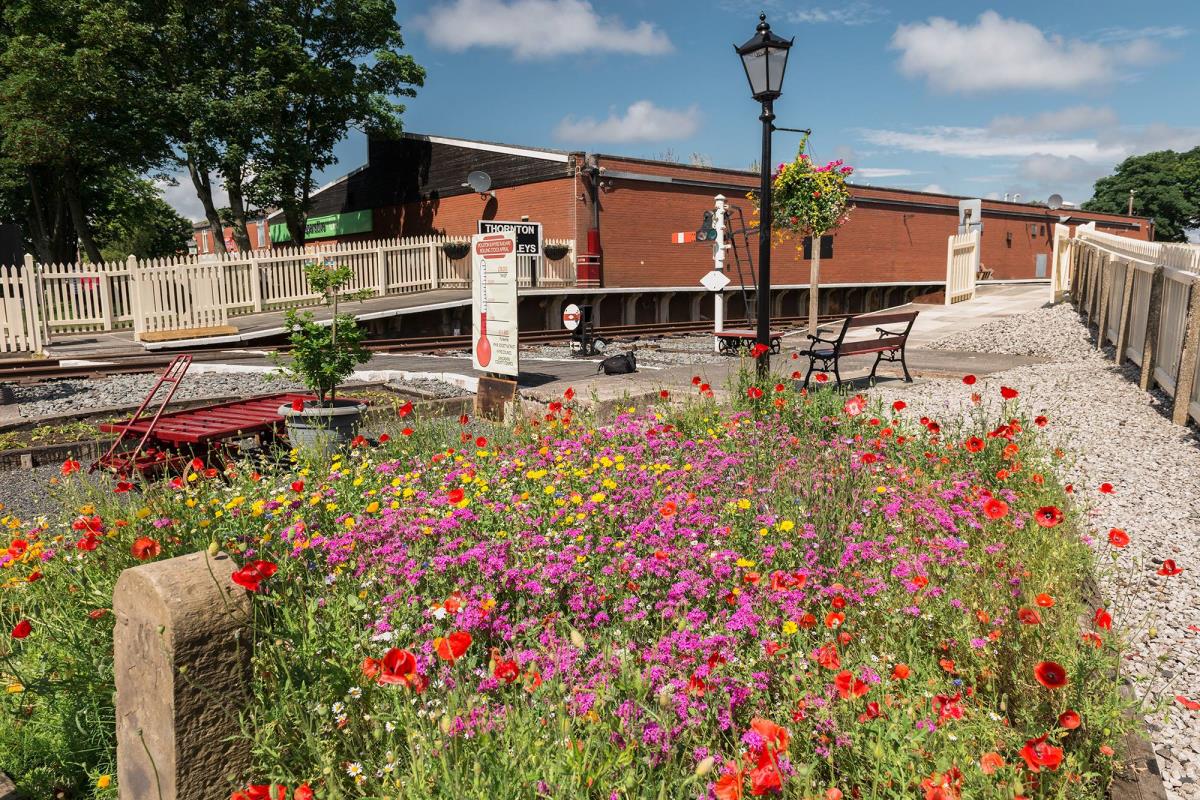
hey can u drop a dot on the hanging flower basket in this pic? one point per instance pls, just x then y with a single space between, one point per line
555 251
456 249
808 200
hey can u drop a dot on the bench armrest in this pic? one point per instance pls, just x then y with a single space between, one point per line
819 339
883 332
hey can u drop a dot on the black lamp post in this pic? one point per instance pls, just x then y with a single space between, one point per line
765 58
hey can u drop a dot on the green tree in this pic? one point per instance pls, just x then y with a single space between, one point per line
73 105
135 220
1166 187
332 66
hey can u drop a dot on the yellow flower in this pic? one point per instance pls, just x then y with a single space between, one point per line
745 563
598 497
103 781
790 628
743 504
372 507
786 525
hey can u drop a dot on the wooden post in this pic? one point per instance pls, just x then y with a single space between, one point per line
814 280
381 281
435 250
255 283
105 289
949 270
1188 356
135 297
1153 322
1126 311
1106 279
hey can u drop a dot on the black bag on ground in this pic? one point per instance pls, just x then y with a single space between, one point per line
620 364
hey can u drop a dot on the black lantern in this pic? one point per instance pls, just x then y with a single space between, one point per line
764 58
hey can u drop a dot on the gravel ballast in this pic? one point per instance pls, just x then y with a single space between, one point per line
1117 434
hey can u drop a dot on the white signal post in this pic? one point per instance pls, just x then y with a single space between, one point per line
719 266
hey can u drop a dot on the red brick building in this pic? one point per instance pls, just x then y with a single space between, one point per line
627 209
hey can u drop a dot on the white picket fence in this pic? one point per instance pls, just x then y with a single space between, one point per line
1144 298
201 292
962 266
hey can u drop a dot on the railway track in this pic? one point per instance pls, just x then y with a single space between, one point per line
23 372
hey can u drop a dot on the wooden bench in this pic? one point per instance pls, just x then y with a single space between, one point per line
734 340
888 346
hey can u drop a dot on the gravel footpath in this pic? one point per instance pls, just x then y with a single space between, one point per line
84 395
1118 434
24 492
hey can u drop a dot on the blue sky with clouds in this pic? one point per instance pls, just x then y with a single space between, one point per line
971 98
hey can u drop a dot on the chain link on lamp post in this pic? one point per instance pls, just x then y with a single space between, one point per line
764 57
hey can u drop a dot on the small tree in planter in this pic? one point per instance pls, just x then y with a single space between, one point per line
323 356
810 201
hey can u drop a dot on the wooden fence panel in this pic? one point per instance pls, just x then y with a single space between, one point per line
962 264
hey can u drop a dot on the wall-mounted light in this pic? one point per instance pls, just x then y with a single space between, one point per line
606 186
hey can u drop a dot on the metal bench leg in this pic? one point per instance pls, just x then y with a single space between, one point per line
812 365
837 373
904 365
878 358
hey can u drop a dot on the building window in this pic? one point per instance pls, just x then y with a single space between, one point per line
203 241
262 233
826 247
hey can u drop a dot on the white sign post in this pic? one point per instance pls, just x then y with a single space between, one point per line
494 303
717 276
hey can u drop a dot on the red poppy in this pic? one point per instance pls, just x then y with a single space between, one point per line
1103 620
1048 516
899 405
1118 538
901 672
969 380
664 394
506 670
855 405
144 548
1007 393
834 618
1106 488
1040 421
1029 616
123 487
947 707
995 508
1168 568
765 778
70 466
397 667
303 792
758 350
1039 754
974 444
1044 600
358 441
848 685
729 785
407 432
827 657
464 419
754 393
990 762
695 380
88 542
384 438
297 405
453 646
668 508
22 629
1050 674
1069 719
251 575
455 496
820 377
774 736
569 394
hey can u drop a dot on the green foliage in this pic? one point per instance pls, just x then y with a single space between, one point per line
323 356
135 220
1166 187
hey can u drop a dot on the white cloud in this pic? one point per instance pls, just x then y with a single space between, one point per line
967 142
1064 120
1056 170
856 13
181 195
933 188
534 29
642 122
1118 34
998 53
881 172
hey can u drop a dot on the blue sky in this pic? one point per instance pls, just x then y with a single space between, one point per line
979 99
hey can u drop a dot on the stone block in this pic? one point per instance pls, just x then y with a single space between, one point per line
182 659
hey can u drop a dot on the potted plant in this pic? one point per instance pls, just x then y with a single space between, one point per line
322 356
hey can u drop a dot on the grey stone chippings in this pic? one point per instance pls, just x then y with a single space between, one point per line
1112 432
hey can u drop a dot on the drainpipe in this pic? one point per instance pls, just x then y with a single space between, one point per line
589 268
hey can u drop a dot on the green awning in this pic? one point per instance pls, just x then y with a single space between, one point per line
326 226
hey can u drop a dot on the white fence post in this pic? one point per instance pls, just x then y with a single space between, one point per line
381 280
435 265
949 269
255 283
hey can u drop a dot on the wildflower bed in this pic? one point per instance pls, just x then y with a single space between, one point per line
804 596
